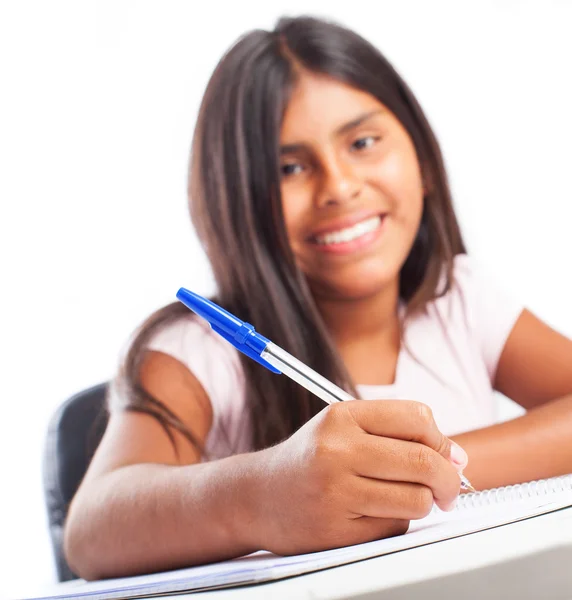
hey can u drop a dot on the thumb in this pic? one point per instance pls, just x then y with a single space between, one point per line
450 450
457 456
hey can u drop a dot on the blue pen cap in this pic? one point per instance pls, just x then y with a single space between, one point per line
241 335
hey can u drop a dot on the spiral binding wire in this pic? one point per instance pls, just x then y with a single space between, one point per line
513 493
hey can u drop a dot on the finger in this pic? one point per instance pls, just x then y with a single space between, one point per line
368 529
391 500
405 420
390 459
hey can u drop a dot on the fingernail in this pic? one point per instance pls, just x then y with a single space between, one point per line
458 455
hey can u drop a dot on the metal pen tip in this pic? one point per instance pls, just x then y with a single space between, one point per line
466 484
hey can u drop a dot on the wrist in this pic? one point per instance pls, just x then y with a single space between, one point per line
236 496
251 500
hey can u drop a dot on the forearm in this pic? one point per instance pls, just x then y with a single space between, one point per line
534 446
150 517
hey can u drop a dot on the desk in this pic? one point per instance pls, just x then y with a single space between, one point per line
528 560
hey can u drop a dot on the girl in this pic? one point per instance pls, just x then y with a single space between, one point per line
318 190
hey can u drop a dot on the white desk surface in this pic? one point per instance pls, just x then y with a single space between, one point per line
541 548
527 560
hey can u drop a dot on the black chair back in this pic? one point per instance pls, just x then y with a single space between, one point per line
74 433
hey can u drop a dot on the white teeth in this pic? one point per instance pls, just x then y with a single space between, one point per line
350 233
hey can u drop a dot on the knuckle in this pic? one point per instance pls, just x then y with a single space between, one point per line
337 408
329 460
332 439
323 452
444 448
425 414
424 461
422 502
334 414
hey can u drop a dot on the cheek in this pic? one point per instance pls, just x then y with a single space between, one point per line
401 179
294 210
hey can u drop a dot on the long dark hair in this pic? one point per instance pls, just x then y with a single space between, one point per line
234 196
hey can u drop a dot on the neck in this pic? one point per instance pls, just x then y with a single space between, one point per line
350 321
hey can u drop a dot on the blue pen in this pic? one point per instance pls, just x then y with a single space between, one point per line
244 338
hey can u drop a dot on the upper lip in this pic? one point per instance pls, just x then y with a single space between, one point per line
345 222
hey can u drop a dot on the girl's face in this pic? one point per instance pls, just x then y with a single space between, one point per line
351 187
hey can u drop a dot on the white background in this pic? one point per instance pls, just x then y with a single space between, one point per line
98 103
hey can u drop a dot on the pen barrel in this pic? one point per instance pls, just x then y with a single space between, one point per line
302 374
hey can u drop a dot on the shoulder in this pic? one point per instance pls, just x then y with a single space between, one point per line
478 305
191 340
217 368
477 293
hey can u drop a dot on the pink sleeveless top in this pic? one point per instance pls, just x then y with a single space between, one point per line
448 361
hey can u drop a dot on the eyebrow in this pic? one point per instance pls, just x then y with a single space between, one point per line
293 148
358 121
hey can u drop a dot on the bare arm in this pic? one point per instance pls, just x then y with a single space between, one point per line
151 516
535 370
357 471
136 508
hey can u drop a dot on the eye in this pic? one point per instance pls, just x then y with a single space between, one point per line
289 169
365 142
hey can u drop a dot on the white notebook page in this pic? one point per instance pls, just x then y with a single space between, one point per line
475 512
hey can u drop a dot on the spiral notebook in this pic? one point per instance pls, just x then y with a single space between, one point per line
475 512
532 492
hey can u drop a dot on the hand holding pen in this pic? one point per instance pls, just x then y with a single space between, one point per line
243 337
356 472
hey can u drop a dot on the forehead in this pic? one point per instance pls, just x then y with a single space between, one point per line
319 105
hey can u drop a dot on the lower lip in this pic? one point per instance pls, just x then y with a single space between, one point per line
354 245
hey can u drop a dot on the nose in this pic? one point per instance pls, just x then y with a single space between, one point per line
339 184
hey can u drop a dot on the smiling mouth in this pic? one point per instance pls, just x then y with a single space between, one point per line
349 234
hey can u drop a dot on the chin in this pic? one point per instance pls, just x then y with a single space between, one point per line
359 287
364 292
359 282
